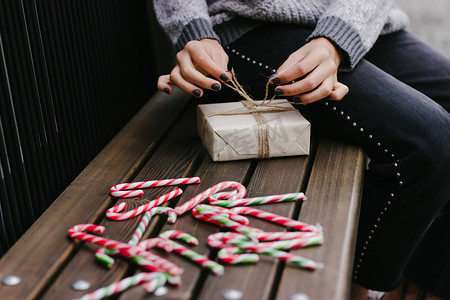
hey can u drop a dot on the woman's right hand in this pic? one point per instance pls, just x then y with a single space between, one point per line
195 62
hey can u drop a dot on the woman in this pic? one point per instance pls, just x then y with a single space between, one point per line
361 78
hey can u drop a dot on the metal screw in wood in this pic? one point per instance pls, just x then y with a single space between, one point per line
80 285
232 294
11 280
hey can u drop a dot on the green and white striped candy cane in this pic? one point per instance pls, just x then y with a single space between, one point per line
153 281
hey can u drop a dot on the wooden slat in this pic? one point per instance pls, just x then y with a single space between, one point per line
211 173
175 158
273 176
333 192
38 256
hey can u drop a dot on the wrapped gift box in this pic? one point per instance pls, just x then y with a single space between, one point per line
235 130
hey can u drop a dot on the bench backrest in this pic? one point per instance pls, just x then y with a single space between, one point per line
71 75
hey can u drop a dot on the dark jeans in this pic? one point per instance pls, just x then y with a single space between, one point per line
397 111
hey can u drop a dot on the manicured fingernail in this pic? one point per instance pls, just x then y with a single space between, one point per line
279 92
196 93
167 91
297 100
276 81
215 86
224 77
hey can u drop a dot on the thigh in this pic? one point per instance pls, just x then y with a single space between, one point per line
379 104
411 61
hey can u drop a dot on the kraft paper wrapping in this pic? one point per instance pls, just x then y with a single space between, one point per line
234 137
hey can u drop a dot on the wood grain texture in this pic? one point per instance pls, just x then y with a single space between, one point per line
333 192
44 248
273 176
174 158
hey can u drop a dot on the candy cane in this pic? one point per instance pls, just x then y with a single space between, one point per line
234 256
288 222
214 200
240 243
223 195
179 235
241 191
229 255
208 212
103 254
221 239
282 236
115 213
119 189
224 239
137 235
173 280
222 211
155 263
188 253
153 281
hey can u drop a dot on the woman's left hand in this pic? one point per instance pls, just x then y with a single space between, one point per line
317 62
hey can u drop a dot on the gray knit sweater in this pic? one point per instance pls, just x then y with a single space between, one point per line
353 25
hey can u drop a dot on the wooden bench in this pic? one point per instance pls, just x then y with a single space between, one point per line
161 142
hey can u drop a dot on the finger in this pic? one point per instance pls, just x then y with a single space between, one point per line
293 59
307 84
203 60
177 79
323 91
196 75
164 84
297 69
339 91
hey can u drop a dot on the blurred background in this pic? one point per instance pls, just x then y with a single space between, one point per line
429 22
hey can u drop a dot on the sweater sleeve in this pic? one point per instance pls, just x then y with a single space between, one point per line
353 26
184 20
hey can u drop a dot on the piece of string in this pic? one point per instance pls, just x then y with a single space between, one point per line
237 87
251 107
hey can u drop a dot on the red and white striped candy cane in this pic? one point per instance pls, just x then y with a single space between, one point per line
218 200
222 196
156 242
179 235
121 190
208 212
115 213
102 254
282 236
241 191
155 263
220 210
288 222
233 255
